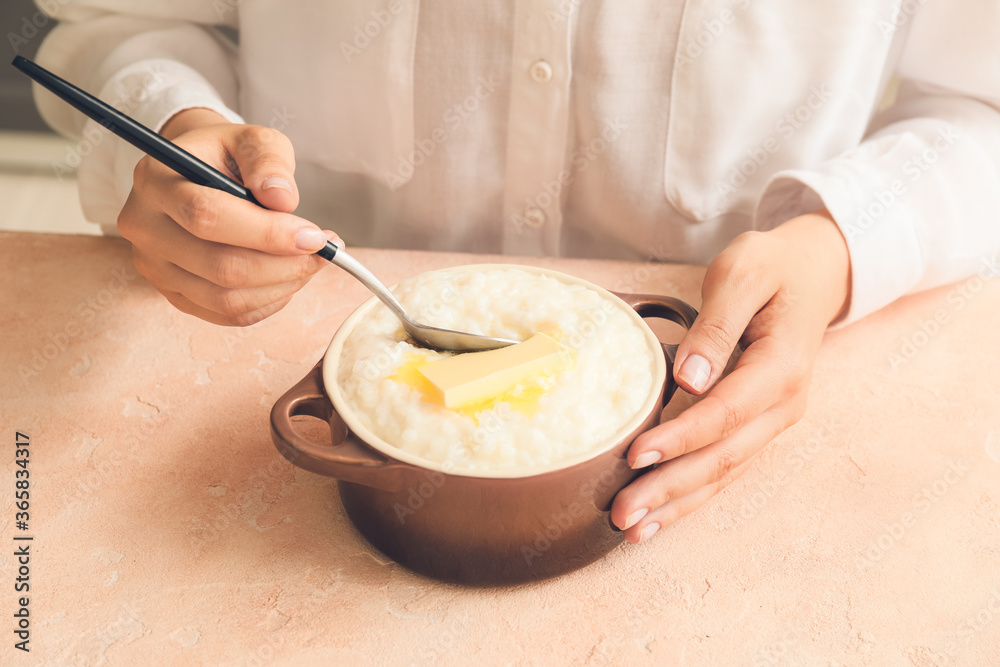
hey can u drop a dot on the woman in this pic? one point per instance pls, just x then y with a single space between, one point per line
747 135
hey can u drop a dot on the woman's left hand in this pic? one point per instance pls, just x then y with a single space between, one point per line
775 293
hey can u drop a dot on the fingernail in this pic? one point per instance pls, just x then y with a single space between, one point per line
696 371
646 459
649 531
276 182
310 238
634 518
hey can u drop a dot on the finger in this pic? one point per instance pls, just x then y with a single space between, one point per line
732 293
234 305
214 215
683 476
758 382
185 305
221 264
218 216
265 160
676 509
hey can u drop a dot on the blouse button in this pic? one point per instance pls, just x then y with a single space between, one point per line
541 71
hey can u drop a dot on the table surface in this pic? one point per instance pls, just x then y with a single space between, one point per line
168 530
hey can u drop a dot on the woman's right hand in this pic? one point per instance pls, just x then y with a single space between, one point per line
211 254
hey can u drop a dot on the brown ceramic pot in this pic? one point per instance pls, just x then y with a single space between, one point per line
473 529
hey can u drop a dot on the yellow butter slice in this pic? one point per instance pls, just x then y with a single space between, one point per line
477 376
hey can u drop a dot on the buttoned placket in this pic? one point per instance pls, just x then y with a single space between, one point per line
537 128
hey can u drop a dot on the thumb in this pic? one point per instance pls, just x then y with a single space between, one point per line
265 161
704 352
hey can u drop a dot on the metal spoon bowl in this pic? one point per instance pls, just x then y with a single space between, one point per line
432 337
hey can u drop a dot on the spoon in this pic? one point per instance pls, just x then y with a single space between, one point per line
428 336
196 171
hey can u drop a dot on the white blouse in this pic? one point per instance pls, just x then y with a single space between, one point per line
638 129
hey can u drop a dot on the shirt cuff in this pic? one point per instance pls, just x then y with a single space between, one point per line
863 198
151 92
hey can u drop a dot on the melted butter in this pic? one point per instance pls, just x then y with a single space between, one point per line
523 397
410 375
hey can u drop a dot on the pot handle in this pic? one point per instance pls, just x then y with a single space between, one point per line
349 459
668 308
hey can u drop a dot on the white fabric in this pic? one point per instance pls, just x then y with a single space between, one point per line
640 129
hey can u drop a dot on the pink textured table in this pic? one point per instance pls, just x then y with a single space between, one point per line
168 530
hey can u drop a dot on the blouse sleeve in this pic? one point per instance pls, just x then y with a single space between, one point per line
149 60
919 200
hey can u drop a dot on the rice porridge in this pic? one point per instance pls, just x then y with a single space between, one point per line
545 419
